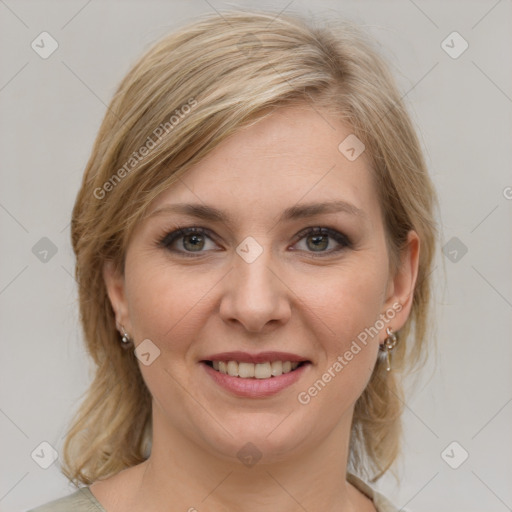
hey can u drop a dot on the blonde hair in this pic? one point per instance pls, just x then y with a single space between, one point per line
232 70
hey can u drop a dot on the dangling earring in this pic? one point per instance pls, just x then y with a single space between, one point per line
125 340
388 345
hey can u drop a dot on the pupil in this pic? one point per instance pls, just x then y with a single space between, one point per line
196 241
318 238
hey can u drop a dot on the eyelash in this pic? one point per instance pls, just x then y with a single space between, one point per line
170 237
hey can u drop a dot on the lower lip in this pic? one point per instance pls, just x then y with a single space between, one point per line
255 388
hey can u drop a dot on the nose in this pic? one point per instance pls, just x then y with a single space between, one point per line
255 295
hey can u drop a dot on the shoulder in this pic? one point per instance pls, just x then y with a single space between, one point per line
80 501
380 502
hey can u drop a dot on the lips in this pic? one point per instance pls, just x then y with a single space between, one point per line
256 375
254 387
250 370
260 357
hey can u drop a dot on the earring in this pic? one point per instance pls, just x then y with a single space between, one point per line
388 345
125 339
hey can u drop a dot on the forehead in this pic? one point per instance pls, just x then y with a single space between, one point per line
290 157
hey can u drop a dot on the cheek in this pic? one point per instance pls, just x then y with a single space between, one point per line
351 308
162 300
351 299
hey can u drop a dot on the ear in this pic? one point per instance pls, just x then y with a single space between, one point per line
114 282
401 285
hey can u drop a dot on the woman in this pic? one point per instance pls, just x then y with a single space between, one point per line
255 229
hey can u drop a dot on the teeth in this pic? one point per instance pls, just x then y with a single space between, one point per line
251 370
232 369
276 368
262 371
244 370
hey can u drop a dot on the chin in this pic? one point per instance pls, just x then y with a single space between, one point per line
267 441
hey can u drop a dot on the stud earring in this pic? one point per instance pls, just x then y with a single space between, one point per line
125 339
388 345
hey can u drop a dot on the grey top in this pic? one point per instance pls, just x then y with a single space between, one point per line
84 500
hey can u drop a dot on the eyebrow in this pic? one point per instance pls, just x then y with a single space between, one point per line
205 212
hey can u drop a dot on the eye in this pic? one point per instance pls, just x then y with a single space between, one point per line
186 240
317 240
190 240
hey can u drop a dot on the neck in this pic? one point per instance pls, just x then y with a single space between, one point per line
193 477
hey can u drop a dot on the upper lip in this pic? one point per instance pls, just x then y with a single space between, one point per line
261 357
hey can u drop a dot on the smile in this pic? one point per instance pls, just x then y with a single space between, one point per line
245 370
255 380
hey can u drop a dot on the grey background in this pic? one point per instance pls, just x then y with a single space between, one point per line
50 111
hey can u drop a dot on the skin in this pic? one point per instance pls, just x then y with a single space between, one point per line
286 300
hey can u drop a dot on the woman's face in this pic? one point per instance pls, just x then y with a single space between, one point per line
273 276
